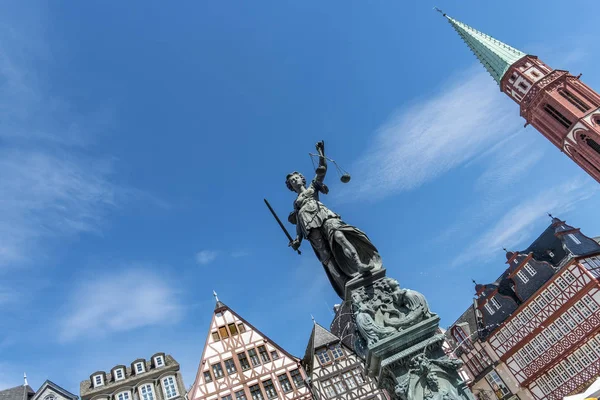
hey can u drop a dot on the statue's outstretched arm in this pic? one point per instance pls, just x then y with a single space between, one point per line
322 169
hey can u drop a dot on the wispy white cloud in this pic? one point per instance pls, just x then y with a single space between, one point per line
433 136
206 256
507 163
519 222
45 196
133 298
52 186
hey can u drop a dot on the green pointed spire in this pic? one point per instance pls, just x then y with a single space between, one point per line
495 56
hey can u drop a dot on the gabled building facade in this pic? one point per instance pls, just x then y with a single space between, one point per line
48 391
335 371
240 363
559 105
157 378
541 318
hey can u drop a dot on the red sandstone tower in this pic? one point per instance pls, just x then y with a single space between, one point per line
560 106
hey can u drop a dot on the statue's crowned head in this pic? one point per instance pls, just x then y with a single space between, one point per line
294 179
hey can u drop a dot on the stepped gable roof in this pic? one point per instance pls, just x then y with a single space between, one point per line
21 392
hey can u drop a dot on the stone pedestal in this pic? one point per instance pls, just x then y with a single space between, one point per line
401 342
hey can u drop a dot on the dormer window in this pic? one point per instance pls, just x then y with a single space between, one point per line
139 368
98 380
489 309
323 356
159 361
573 238
530 269
522 277
119 374
495 303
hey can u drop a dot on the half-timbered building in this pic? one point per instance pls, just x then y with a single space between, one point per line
486 375
335 371
541 317
240 363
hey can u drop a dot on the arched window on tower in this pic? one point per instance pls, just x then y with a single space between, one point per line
591 142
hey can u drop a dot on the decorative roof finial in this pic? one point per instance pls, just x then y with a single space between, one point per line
474 281
216 297
313 319
550 215
504 248
440 11
25 379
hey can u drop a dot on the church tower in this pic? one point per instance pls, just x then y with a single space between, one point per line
559 105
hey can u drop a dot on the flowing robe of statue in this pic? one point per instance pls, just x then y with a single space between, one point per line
343 249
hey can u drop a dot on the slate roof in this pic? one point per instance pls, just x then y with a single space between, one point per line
86 388
343 325
496 57
17 393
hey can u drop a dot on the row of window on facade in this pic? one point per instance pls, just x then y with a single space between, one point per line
520 325
564 372
339 384
544 299
138 367
225 331
266 389
327 355
556 331
592 264
244 364
146 391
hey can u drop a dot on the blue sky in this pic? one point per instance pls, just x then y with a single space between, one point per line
137 142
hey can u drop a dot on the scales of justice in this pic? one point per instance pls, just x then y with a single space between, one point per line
396 333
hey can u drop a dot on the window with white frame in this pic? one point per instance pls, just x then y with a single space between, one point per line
337 351
590 302
119 374
328 389
496 383
495 303
98 380
358 376
159 361
124 396
146 392
530 270
169 387
323 356
489 308
573 238
139 368
522 277
338 384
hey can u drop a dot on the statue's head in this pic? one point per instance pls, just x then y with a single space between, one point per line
294 181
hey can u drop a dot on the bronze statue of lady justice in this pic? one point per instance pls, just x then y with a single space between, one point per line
344 250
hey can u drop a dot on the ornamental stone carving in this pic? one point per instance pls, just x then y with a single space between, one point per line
384 309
